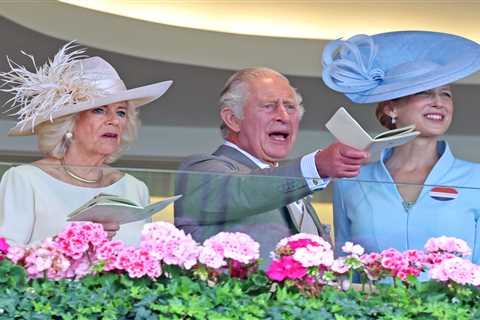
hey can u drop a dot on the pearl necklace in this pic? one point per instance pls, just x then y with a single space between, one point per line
72 175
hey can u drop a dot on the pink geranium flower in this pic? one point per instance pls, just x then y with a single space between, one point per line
301 240
16 253
235 251
339 266
372 264
314 256
302 243
79 237
286 268
170 245
3 246
304 257
448 245
457 270
211 258
393 259
354 249
108 252
234 245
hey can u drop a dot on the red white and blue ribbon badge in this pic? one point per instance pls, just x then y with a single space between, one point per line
443 193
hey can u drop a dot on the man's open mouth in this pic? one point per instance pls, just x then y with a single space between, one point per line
279 135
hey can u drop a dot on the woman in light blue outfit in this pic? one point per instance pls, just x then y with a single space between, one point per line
418 190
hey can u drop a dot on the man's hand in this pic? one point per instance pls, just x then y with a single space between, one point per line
339 161
111 228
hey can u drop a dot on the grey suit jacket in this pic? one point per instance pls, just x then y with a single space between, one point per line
226 191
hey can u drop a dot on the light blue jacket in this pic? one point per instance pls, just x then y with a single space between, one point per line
369 210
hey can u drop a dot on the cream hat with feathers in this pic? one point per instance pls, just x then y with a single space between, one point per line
70 83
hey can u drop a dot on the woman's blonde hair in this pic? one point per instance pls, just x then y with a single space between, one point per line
54 142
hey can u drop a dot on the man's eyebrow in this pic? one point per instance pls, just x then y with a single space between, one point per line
268 100
277 100
288 100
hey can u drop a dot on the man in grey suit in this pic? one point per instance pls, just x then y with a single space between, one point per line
241 187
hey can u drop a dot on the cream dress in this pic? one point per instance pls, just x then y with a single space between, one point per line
35 205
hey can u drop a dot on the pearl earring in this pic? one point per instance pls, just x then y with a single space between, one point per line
68 135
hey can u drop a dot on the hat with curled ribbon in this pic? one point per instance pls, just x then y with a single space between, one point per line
68 84
391 65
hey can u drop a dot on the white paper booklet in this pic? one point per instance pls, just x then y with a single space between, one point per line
347 130
111 208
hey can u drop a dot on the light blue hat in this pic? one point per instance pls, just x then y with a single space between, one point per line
391 65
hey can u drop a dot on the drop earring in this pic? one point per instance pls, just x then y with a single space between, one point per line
67 140
393 119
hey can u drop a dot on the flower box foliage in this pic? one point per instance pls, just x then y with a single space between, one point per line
80 274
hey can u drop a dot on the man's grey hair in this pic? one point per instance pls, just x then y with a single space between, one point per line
235 91
53 141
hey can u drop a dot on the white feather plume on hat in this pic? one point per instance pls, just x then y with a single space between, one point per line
45 91
68 84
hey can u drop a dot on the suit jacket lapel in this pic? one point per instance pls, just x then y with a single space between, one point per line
236 155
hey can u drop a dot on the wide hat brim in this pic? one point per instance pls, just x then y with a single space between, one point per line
136 97
409 62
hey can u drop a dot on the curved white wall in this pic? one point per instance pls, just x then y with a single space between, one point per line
149 40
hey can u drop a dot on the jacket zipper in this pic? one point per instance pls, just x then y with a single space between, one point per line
407 207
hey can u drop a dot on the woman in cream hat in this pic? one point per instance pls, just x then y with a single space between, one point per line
83 117
418 190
